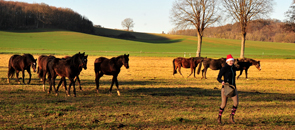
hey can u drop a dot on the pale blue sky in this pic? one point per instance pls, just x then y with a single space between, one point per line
148 15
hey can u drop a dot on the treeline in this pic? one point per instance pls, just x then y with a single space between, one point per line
20 15
258 30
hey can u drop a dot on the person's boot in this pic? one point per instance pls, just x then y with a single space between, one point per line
219 119
219 115
231 119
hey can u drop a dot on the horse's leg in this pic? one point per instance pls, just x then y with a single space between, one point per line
29 71
195 72
77 78
73 83
23 76
65 85
69 89
203 73
246 72
241 72
50 84
60 82
17 80
192 69
179 68
97 77
113 81
43 79
53 83
117 85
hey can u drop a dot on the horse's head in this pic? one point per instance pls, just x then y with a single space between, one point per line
258 66
126 61
34 64
30 60
85 62
77 60
236 63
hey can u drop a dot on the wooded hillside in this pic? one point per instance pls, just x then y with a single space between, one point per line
20 15
258 30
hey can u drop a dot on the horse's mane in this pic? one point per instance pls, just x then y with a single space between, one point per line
72 60
252 61
118 57
29 57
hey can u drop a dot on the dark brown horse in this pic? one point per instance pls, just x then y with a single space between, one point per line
245 63
214 64
65 68
21 63
111 66
43 61
191 63
77 77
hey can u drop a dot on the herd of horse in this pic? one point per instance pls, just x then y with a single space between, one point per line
71 66
214 64
66 67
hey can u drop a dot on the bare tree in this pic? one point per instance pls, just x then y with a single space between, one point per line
290 14
243 11
127 23
195 13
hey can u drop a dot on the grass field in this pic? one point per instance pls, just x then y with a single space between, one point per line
62 42
151 98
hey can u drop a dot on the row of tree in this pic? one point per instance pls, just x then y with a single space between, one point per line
200 14
20 15
268 30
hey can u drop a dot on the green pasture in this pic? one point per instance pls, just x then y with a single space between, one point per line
63 42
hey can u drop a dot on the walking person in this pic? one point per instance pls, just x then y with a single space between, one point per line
228 72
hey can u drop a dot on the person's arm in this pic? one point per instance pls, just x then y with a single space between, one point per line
221 73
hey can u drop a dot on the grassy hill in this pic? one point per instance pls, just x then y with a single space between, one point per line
66 43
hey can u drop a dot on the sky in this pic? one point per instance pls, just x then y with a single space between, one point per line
152 16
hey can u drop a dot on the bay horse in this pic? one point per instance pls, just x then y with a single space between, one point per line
213 64
43 61
65 68
19 63
80 69
111 66
191 63
245 63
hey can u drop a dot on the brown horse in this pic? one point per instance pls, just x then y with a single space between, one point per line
21 63
111 66
245 63
186 63
65 68
43 61
214 64
77 77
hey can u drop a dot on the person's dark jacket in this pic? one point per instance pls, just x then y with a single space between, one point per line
228 73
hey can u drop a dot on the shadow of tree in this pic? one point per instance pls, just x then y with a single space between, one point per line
135 36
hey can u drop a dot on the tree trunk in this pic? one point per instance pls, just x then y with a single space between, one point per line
243 45
199 45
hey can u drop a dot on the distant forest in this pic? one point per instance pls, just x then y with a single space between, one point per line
23 16
258 30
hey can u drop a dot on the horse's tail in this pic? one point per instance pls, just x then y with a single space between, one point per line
174 70
11 70
40 73
200 66
97 65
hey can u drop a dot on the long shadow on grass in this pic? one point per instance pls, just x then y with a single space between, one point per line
193 91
